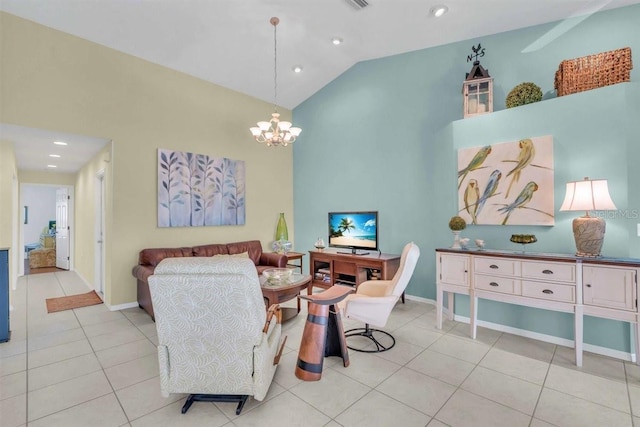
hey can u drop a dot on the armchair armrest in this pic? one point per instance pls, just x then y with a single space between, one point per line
274 310
273 259
374 288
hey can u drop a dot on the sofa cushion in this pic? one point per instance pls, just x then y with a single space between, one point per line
253 247
153 256
210 250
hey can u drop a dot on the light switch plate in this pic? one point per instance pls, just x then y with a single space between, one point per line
638 230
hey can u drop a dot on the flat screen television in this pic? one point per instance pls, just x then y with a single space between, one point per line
354 230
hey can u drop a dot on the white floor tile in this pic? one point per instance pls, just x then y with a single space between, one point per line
14 411
103 411
595 389
55 373
442 367
12 364
132 372
419 391
200 414
125 352
54 398
144 397
58 353
332 394
286 407
515 365
376 409
503 389
13 385
568 411
468 351
467 409
368 369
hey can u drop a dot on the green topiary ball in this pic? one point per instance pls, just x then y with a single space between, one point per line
524 93
457 223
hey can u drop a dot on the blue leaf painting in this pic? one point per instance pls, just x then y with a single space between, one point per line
199 190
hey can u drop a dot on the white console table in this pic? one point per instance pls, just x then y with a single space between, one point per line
601 287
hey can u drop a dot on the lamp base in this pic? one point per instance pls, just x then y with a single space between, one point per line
588 233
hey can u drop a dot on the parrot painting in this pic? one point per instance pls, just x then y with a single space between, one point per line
471 197
523 198
475 163
526 155
489 190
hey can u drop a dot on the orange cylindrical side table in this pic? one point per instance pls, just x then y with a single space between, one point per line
323 334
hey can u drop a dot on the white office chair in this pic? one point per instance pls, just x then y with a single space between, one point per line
373 301
216 341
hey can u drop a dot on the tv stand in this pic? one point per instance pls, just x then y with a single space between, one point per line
349 269
353 252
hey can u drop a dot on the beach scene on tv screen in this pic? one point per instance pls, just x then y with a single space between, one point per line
353 230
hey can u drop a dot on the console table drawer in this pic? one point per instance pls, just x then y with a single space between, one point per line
503 285
550 291
563 272
508 267
340 267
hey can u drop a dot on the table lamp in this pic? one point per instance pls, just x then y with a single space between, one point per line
588 195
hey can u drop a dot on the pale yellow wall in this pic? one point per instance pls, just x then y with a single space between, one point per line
7 173
45 177
51 80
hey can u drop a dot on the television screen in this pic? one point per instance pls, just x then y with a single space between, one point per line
353 230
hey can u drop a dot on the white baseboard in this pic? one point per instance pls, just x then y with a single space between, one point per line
122 306
603 351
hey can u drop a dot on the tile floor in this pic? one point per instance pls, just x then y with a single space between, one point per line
94 367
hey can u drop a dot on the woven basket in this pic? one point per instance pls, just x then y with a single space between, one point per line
593 71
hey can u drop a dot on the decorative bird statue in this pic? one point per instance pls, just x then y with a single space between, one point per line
471 197
526 155
523 198
475 163
489 190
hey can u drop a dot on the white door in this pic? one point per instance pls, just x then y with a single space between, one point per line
99 233
62 228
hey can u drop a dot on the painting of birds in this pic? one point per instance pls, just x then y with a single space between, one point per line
489 190
471 197
526 155
475 163
523 198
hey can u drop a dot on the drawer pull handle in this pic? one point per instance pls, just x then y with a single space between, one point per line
547 272
588 285
493 284
495 267
547 291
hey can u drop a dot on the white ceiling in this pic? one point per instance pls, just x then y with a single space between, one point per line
230 42
33 147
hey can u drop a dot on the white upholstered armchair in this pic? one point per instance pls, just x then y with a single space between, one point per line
216 341
373 301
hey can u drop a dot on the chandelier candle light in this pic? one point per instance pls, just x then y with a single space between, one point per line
274 132
588 195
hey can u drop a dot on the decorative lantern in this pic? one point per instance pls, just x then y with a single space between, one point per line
477 89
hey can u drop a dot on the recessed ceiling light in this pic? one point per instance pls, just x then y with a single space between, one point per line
439 10
336 41
52 166
54 155
59 143
297 69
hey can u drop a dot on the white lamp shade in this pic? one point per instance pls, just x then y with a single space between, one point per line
284 126
587 195
255 131
295 131
264 125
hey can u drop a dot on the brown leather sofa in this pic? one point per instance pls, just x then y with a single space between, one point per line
149 258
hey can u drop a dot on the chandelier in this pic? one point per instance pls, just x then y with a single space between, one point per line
274 132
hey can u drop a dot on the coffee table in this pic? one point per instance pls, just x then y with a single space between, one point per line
282 292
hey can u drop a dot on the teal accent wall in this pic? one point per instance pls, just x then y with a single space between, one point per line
384 136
